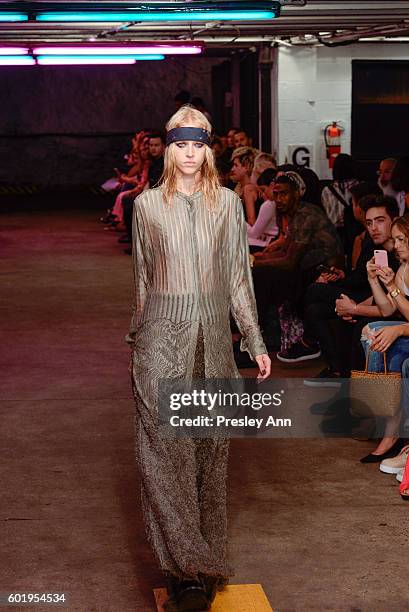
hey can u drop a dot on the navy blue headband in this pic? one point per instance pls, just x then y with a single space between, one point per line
188 133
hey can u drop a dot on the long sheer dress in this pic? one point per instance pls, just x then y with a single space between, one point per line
191 267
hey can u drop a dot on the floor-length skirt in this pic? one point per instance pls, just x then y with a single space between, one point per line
183 480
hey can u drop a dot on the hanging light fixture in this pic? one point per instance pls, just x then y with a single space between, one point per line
134 50
17 60
93 60
98 53
4 16
13 50
177 11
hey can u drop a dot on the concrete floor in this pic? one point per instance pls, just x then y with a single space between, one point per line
316 528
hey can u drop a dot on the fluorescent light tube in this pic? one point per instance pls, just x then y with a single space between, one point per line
74 60
123 50
157 16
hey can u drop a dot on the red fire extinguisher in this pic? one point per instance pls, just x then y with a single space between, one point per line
332 134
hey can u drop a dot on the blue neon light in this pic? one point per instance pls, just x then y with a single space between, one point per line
13 17
160 16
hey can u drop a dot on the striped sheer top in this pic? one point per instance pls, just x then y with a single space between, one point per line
192 263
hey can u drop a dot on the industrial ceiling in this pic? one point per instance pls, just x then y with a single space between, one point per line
308 22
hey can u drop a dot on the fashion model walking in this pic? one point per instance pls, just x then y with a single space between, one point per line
191 265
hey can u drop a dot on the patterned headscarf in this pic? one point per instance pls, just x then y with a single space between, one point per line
296 179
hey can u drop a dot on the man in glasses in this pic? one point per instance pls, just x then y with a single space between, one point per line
385 170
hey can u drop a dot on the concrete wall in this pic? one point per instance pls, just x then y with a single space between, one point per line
314 89
64 126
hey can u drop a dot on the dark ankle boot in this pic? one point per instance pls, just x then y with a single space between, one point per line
210 584
192 597
172 587
186 596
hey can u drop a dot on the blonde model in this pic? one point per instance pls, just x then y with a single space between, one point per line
191 265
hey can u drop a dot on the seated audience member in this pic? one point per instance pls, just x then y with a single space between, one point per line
133 176
404 480
312 184
400 184
218 148
334 296
291 325
223 140
336 200
199 104
138 138
242 167
181 98
222 156
265 228
114 184
156 151
241 139
130 184
358 192
399 464
385 172
230 141
221 153
223 170
310 239
129 191
262 161
390 292
144 148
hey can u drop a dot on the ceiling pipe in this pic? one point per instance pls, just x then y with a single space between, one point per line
351 37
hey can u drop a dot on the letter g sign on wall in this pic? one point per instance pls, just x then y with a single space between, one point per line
300 155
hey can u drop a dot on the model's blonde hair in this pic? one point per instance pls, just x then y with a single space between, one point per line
209 178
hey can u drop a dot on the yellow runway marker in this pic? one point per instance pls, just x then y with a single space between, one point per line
234 598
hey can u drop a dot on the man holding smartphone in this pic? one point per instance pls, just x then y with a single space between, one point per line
348 299
381 258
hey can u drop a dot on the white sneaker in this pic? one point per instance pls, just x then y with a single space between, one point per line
399 475
395 464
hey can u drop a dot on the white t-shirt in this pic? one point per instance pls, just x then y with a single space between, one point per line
265 227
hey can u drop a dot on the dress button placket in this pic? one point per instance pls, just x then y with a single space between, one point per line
191 209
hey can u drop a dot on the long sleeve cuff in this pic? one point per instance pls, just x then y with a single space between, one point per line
254 346
130 339
130 336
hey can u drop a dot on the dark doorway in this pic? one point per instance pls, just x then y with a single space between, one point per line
380 112
249 97
221 94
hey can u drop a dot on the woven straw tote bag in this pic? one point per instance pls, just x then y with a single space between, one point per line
375 394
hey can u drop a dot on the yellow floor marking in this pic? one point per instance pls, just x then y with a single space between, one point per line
234 598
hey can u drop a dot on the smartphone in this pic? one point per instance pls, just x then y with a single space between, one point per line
381 259
321 269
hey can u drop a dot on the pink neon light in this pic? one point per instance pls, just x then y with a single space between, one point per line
89 50
17 61
13 51
70 61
